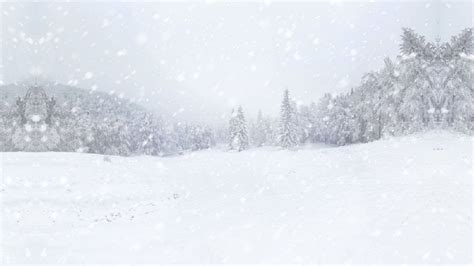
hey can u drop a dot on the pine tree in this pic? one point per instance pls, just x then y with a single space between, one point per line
238 137
458 107
288 135
412 44
259 138
233 130
145 143
241 136
306 123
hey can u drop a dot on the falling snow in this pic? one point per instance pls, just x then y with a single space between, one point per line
156 133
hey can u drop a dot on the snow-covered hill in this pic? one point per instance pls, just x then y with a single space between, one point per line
400 200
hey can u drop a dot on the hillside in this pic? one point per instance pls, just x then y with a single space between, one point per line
55 117
398 200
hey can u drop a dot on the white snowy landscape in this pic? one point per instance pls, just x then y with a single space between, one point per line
230 132
321 204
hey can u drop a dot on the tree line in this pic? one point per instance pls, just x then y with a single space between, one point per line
76 120
429 85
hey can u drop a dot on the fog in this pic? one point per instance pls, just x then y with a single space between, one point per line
194 61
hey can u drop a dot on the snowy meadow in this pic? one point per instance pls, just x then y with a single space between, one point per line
236 132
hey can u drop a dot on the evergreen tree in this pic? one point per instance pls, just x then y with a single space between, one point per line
288 128
306 123
238 137
429 85
259 136
242 136
233 127
145 143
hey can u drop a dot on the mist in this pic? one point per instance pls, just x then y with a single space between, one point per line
194 61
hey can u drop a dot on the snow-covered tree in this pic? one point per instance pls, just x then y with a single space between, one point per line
259 131
288 126
307 123
233 127
35 130
242 135
75 120
238 131
458 104
429 85
194 137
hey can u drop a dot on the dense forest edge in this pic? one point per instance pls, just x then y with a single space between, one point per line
427 86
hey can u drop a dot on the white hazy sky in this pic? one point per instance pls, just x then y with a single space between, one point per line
196 60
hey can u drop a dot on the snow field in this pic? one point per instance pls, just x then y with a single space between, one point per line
399 200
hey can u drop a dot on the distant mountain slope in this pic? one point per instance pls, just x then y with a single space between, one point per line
54 117
67 96
78 120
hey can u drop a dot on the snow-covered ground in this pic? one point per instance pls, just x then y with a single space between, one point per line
400 200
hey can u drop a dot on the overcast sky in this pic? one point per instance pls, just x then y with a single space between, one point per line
196 60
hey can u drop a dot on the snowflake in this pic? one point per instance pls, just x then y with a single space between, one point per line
88 75
141 38
122 52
